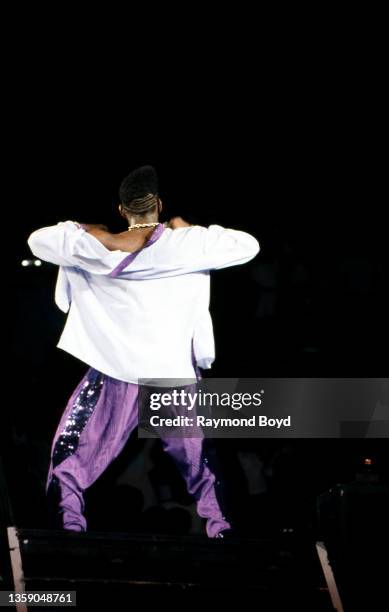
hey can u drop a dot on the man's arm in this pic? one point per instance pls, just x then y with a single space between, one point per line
223 250
189 249
67 244
177 222
102 234
194 249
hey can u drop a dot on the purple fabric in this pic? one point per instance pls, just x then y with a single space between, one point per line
104 433
157 233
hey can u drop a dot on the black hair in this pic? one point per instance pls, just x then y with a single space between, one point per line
138 191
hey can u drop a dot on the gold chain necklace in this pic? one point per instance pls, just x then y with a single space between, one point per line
138 225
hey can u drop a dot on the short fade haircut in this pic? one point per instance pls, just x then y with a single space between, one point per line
138 191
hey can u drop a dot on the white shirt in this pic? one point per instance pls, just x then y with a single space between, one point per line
136 317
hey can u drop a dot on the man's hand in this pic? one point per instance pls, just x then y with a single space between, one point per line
102 234
177 222
94 226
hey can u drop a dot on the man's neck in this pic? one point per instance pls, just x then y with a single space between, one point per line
135 219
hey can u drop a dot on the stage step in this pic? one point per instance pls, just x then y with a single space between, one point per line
281 573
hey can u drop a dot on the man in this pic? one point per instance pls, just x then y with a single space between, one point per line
139 311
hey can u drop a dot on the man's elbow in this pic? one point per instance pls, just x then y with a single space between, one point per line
253 248
33 243
38 246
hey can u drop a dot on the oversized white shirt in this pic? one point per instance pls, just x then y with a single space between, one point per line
142 316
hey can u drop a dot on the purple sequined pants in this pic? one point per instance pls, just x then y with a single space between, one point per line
96 424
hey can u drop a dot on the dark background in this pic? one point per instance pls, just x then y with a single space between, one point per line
283 141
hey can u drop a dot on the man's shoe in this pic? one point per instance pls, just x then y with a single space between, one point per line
225 534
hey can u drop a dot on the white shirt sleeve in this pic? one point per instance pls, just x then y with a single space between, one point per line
68 244
184 250
219 247
194 249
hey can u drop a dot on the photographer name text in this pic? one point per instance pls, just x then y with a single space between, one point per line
216 423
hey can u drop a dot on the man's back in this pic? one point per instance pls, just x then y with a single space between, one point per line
141 315
137 329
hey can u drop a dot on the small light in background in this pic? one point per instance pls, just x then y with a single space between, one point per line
367 461
368 471
31 262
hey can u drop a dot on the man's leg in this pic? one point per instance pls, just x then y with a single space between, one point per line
202 483
96 424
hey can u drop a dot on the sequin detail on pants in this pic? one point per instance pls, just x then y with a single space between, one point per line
82 410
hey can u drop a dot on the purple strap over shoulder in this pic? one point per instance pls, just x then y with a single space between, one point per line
157 233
